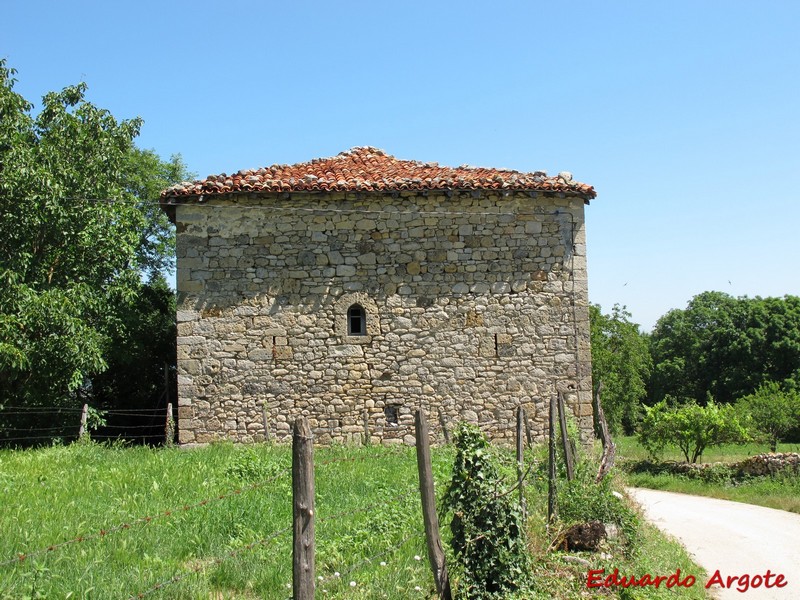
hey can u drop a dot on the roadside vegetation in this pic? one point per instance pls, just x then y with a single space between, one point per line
723 385
781 491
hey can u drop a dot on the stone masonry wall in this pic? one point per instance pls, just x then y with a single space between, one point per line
476 302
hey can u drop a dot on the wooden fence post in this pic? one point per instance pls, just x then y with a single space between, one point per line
551 465
528 432
84 417
267 437
303 511
569 459
431 519
367 439
521 461
443 423
169 429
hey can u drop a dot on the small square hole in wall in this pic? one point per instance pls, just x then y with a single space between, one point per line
392 414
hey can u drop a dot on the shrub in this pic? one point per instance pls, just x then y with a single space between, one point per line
690 427
248 464
582 500
771 412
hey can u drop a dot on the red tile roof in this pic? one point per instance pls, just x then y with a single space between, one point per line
368 169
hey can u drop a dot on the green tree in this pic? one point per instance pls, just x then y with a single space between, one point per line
621 360
141 358
771 411
690 427
76 235
726 347
145 175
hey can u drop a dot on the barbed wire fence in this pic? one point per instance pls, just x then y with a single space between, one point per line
305 579
160 427
330 579
22 425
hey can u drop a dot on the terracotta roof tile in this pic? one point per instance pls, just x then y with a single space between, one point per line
370 169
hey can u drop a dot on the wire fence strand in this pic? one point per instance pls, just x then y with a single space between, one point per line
102 533
213 562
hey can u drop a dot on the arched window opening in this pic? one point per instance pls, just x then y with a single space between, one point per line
356 320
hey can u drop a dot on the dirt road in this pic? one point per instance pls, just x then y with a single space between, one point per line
734 539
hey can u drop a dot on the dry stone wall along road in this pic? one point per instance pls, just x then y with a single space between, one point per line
732 539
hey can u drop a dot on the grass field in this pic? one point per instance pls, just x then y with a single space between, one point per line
105 522
781 492
56 494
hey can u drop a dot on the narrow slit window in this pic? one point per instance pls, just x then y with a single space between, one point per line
356 320
392 416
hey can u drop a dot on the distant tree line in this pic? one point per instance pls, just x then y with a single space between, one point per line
718 353
726 347
85 312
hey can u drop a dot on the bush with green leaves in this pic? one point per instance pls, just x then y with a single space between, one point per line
582 500
251 464
488 534
690 427
771 412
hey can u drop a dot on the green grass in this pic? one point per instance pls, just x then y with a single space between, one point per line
781 492
55 494
369 527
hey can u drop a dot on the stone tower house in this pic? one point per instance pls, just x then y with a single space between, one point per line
359 287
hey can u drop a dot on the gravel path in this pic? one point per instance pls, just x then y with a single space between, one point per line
735 538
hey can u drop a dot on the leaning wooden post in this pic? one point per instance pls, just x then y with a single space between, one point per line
169 429
431 519
551 465
303 510
521 460
609 447
569 460
84 417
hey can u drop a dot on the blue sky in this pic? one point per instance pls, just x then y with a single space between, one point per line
682 114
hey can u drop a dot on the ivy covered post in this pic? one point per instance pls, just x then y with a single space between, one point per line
488 535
